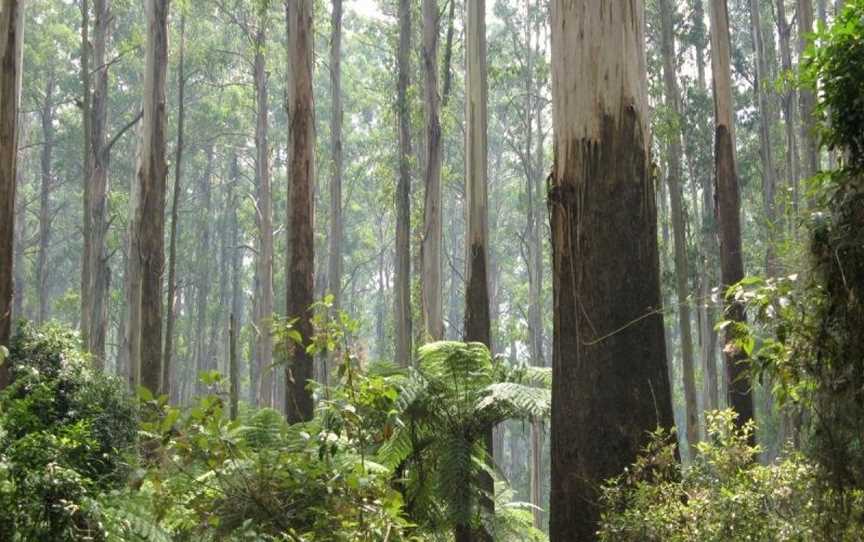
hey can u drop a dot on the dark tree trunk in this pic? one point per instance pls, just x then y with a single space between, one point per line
610 384
298 399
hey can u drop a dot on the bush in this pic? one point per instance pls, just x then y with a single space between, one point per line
725 495
65 434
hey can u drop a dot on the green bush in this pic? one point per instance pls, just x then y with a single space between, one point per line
65 434
725 495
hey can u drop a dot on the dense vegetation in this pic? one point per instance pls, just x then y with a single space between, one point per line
444 282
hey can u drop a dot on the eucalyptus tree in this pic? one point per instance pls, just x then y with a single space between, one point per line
806 96
402 298
298 14
11 34
610 384
728 210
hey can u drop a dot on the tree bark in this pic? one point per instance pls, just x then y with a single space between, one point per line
608 326
204 261
45 215
175 213
402 297
728 211
152 173
298 399
11 30
334 266
86 170
264 216
806 96
234 377
433 317
679 225
784 31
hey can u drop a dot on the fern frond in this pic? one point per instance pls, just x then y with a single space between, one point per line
508 400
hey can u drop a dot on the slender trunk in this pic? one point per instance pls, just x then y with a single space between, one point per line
204 260
700 31
298 399
19 248
606 276
86 170
234 377
402 298
448 55
150 225
234 322
679 227
456 281
45 215
762 89
11 30
784 31
433 317
264 219
728 211
334 266
175 214
807 96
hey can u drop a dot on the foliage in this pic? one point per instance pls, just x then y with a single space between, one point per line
446 410
725 495
65 434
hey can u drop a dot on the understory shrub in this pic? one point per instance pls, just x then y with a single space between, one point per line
65 436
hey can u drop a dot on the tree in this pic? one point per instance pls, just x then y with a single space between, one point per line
728 211
298 13
610 384
678 224
334 265
150 222
402 299
11 32
784 31
433 316
806 96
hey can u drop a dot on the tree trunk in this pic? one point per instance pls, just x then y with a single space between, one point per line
11 30
728 211
234 377
608 325
766 115
298 400
784 31
679 226
806 96
204 260
477 318
151 183
87 171
175 214
264 216
402 297
334 266
433 317
45 215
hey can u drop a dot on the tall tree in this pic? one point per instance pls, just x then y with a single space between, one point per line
433 317
762 89
152 172
170 317
679 223
298 399
806 96
610 384
46 216
402 298
264 212
334 265
728 210
11 30
784 32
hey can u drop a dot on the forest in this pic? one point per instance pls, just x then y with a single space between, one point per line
431 270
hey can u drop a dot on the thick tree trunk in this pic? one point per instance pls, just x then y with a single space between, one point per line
175 215
298 400
608 325
728 210
679 226
151 183
806 96
402 297
264 216
334 265
433 317
477 317
11 29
